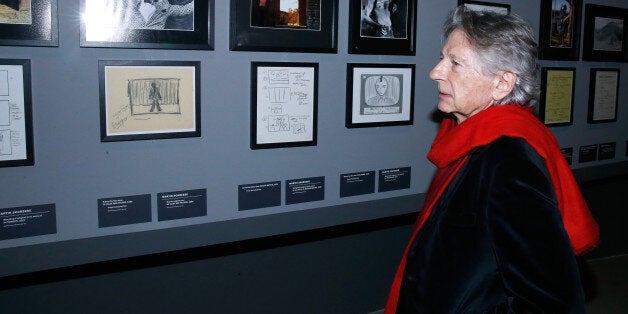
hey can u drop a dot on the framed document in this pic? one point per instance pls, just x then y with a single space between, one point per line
154 24
382 27
29 23
557 91
284 104
604 33
603 92
560 30
142 100
288 26
379 95
485 6
16 120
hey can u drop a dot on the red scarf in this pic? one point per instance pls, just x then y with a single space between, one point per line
451 148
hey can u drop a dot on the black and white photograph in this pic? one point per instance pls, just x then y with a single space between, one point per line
382 27
146 23
28 23
284 25
379 95
608 34
384 18
605 34
560 29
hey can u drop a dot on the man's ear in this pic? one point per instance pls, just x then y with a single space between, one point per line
505 82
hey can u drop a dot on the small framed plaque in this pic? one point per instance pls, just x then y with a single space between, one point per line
603 92
557 96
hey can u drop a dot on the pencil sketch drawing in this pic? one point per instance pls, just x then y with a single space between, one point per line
381 94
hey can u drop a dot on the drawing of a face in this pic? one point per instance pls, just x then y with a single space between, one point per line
381 86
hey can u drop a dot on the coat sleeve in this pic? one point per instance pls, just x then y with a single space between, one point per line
535 261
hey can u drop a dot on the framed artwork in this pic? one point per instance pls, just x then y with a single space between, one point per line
379 95
485 6
143 100
603 92
557 96
16 118
382 27
153 24
29 23
284 104
560 30
604 33
286 25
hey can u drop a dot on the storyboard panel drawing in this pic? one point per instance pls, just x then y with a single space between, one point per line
283 104
142 100
16 129
379 95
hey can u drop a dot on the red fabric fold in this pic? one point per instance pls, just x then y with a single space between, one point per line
452 146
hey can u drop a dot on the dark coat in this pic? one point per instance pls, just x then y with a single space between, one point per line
494 242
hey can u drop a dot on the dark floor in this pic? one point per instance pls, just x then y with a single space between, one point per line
607 285
610 285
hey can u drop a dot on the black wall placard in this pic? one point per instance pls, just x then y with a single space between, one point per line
357 183
28 221
259 195
305 190
124 210
181 204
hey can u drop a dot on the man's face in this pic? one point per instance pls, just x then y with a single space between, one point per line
463 89
381 86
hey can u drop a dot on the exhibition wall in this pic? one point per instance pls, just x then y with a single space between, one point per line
77 172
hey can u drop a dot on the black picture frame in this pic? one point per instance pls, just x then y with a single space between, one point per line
284 104
35 25
605 36
603 95
559 37
128 90
194 31
557 87
367 36
16 117
263 28
370 106
484 6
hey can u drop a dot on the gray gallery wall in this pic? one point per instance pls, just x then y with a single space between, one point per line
73 168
